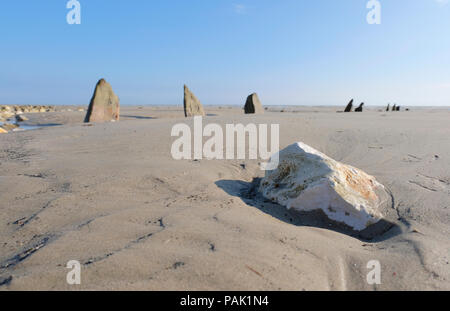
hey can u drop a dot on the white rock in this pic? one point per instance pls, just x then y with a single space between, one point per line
308 180
6 114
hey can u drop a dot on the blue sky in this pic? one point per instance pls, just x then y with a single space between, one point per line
291 52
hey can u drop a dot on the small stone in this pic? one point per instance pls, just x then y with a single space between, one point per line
6 115
9 126
3 131
21 118
416 231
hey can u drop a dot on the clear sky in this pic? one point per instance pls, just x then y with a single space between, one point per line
291 52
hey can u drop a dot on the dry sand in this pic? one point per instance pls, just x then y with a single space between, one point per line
111 196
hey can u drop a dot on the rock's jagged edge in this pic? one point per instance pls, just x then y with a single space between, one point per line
307 180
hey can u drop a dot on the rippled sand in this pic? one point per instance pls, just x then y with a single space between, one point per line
112 197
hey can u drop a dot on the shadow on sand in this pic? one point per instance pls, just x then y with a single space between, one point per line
249 194
138 117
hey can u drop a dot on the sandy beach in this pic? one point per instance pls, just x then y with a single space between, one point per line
111 196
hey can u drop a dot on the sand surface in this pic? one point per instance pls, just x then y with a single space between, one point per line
112 197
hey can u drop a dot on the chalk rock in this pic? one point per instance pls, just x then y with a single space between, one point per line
9 126
3 131
5 108
21 118
253 105
6 115
307 180
192 106
104 104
